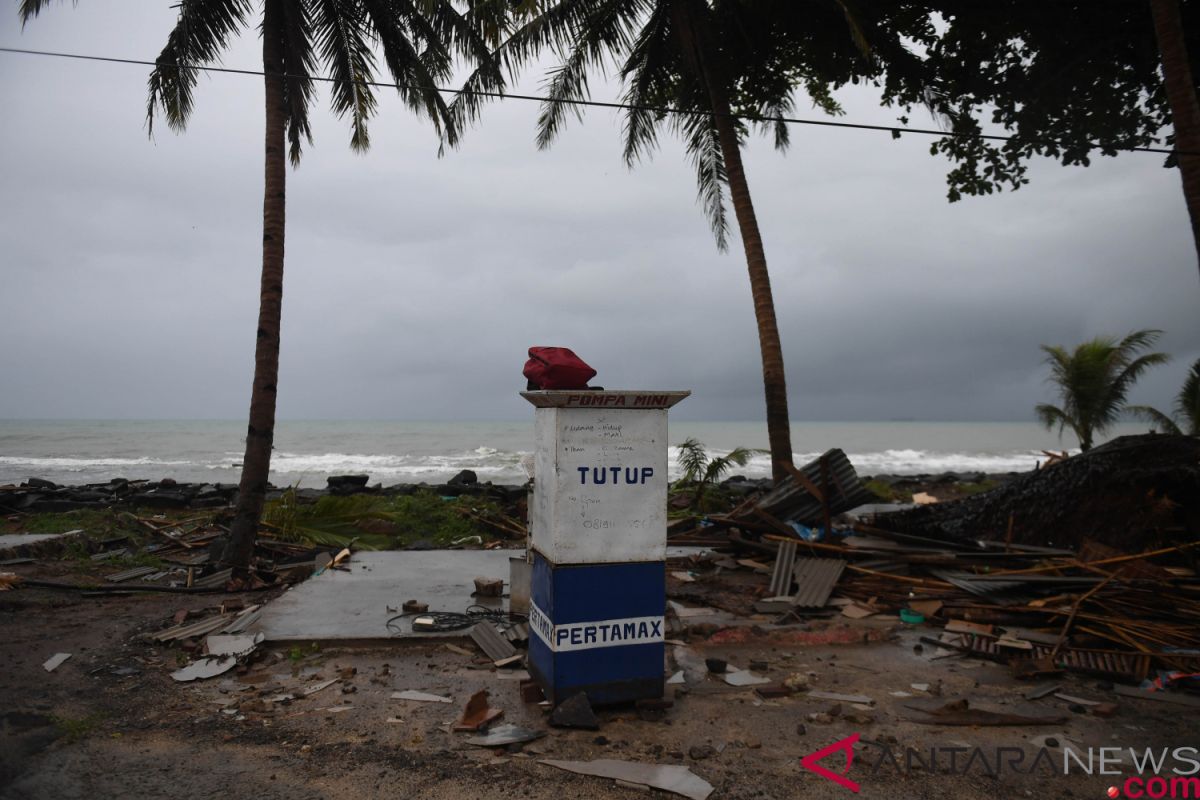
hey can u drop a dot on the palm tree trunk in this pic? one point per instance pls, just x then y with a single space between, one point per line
1185 111
779 432
779 429
260 433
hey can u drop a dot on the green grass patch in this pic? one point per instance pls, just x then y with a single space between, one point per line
378 522
74 729
886 493
979 487
60 522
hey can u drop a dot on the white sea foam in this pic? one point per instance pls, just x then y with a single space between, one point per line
432 453
495 465
896 462
79 464
487 462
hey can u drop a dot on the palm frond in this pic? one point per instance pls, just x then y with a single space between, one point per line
703 146
476 36
295 32
1187 402
202 31
420 61
1051 416
1160 421
567 82
604 32
522 45
717 467
647 70
775 109
692 459
28 9
340 36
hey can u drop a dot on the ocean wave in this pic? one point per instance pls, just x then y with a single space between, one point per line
893 461
79 464
489 464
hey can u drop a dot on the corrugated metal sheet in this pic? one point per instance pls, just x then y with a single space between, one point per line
247 617
130 574
219 578
791 502
1127 666
491 642
781 576
1000 589
815 579
211 625
992 590
517 633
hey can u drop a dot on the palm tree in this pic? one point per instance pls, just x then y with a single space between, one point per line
418 40
1181 95
1186 417
716 60
702 472
1187 402
1093 381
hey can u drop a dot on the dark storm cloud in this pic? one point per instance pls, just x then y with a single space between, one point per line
415 284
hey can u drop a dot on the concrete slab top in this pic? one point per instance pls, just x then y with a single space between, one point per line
353 606
337 605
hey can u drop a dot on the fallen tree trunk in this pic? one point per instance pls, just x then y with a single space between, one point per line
1133 493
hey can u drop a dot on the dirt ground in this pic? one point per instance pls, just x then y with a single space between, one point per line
110 722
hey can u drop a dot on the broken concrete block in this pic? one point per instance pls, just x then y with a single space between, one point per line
575 712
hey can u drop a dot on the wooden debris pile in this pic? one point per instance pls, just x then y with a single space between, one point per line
1089 564
1138 492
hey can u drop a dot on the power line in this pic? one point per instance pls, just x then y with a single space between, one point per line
892 129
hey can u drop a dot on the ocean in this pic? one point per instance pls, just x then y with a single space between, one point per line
210 451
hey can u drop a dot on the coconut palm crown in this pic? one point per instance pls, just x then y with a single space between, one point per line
1093 381
716 61
417 40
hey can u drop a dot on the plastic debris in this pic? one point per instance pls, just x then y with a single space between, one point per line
54 661
668 778
236 645
204 668
419 697
504 735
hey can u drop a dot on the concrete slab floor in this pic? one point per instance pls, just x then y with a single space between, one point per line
338 606
8 540
345 606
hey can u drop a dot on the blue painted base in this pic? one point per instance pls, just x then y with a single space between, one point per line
597 628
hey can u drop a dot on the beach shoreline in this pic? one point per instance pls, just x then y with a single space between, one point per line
38 495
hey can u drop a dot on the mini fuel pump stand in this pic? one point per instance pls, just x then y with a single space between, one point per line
598 526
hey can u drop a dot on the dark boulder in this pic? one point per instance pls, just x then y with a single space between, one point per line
339 481
155 499
464 478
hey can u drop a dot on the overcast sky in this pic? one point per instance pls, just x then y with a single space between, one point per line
130 267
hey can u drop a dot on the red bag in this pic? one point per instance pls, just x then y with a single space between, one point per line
556 368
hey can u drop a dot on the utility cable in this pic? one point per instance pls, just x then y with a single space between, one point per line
443 621
895 130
